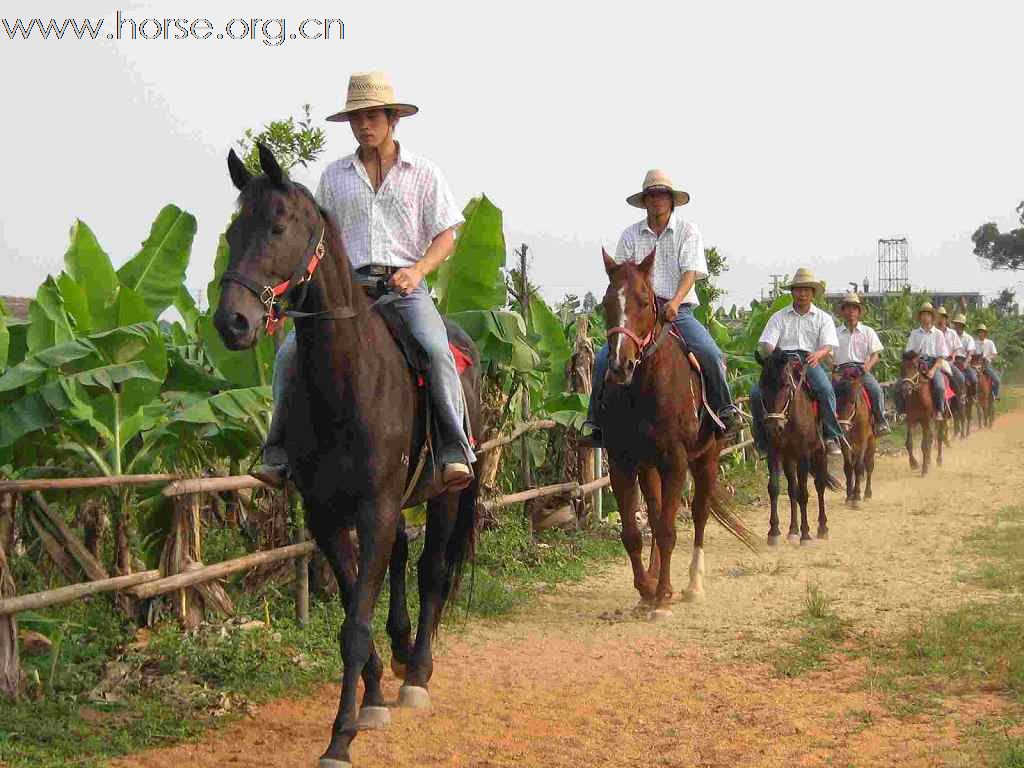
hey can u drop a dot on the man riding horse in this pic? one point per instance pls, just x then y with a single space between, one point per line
987 349
805 330
859 347
397 219
929 344
678 263
953 348
966 350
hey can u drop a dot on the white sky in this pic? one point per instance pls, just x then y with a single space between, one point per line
804 131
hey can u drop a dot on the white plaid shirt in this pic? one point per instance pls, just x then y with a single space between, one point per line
394 226
967 346
789 331
986 349
857 346
680 248
930 343
953 342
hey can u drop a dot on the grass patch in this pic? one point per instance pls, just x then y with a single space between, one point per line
822 630
182 684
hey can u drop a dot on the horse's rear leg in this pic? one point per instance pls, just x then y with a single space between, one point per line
358 655
821 485
793 487
399 627
434 584
650 487
705 477
625 489
802 472
774 470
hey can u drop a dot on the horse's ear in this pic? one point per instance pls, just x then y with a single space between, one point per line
269 165
610 265
240 175
645 265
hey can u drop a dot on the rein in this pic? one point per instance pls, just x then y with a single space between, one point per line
273 296
783 415
847 424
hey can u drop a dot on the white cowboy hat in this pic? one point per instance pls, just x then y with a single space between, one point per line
658 180
804 278
371 90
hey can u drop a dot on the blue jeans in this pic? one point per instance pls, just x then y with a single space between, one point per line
821 386
876 395
971 375
704 349
425 323
994 376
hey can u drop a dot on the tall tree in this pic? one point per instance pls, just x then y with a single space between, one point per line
1002 250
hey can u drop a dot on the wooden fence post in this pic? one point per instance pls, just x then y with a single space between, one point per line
10 665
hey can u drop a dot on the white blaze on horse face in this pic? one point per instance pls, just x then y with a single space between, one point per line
623 322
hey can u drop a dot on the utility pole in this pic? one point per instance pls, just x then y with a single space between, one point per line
524 301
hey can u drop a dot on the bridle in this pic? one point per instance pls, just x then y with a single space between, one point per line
783 416
847 424
645 347
273 296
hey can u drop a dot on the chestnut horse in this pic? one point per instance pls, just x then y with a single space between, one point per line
915 388
970 396
356 426
986 403
653 430
795 446
854 411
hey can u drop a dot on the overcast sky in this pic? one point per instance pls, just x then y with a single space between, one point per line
804 131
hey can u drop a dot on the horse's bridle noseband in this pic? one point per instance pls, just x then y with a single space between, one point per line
645 349
783 415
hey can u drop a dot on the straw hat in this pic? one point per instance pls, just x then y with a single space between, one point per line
658 180
371 90
852 298
804 278
942 311
981 327
960 319
926 307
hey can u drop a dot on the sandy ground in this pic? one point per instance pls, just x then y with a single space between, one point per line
576 681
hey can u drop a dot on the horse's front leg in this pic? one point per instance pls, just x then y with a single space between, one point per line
793 487
849 469
650 487
820 469
926 447
802 471
672 480
869 465
399 627
941 436
623 481
909 443
774 471
376 524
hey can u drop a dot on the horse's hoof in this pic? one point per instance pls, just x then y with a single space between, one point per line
372 718
413 697
773 541
398 668
823 534
691 596
793 538
808 542
661 614
326 762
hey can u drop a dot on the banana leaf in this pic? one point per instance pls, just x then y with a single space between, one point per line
89 266
471 277
551 340
157 271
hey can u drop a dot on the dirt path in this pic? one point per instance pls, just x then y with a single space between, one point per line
565 685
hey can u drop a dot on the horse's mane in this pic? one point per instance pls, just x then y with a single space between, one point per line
909 355
772 369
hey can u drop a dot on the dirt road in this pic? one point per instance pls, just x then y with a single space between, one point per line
570 683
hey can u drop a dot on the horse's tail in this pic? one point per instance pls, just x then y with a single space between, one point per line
723 512
833 483
461 546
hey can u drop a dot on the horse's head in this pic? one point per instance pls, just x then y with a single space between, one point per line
272 239
782 376
631 312
910 373
849 392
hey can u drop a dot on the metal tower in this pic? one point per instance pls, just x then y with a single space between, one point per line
893 265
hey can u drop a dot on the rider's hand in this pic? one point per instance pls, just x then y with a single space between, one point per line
406 279
671 310
814 358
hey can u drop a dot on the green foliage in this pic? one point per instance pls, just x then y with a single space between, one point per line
293 142
470 279
1002 250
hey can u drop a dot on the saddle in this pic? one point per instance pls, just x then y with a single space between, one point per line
706 410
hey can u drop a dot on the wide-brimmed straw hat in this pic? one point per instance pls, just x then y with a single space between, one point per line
658 180
960 319
926 307
942 311
852 298
804 278
371 90
981 327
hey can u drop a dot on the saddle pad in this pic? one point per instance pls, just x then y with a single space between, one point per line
462 360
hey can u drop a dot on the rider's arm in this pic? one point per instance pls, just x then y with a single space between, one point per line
440 248
828 341
685 285
871 362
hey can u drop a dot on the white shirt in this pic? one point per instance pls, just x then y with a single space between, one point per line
788 330
986 348
966 345
680 248
394 226
953 343
927 343
856 346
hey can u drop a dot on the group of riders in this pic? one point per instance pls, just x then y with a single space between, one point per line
397 218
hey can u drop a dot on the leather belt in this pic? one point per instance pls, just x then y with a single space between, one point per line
377 270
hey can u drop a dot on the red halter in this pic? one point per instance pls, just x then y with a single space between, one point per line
641 344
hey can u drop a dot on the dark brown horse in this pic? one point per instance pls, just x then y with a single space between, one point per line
986 403
916 391
356 427
653 430
794 446
854 411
